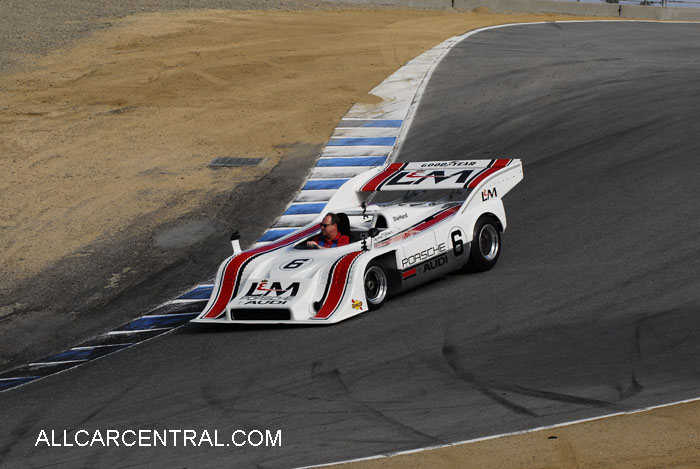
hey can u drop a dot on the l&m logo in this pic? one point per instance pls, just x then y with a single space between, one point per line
429 178
487 194
267 288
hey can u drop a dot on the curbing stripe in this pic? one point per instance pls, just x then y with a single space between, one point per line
156 322
352 161
337 172
366 150
138 331
314 196
202 292
362 141
321 184
372 123
87 347
365 132
293 221
9 383
272 235
304 208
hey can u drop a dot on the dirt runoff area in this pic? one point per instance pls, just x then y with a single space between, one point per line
112 137
667 437
122 126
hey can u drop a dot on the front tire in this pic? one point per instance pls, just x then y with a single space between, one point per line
485 245
376 283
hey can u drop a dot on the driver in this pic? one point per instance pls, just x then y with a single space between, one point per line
329 237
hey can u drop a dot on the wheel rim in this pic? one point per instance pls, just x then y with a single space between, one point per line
375 285
488 242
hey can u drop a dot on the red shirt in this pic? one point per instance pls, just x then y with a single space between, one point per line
339 240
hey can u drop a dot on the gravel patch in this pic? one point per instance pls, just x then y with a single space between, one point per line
32 28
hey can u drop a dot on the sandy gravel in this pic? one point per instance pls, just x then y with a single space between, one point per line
662 438
35 27
122 125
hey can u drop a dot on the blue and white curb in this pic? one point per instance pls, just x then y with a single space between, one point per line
159 321
369 135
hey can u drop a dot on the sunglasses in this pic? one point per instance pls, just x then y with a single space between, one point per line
323 225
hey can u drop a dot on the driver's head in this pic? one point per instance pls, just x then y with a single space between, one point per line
329 226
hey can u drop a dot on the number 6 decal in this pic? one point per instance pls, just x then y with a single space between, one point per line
296 263
457 240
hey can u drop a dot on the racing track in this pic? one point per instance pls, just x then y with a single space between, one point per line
593 308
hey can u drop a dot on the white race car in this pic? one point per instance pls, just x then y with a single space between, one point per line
393 246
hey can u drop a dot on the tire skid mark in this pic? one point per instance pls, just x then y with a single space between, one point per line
558 397
450 355
333 380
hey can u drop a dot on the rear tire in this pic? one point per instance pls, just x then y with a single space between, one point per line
485 246
376 283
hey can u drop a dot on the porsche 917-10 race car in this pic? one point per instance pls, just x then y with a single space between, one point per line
393 247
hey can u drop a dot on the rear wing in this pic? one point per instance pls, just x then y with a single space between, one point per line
497 175
432 175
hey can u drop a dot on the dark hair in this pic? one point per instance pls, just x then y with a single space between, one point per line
334 218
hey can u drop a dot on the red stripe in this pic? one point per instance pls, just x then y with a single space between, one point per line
420 227
409 273
381 177
497 166
228 281
437 218
338 284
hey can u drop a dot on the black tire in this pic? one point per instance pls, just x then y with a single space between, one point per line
376 283
485 246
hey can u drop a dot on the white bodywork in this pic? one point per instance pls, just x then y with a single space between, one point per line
282 282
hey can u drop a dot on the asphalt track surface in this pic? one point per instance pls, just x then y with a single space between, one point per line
593 308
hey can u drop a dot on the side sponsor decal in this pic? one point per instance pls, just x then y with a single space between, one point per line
426 266
356 304
230 276
433 264
448 164
336 285
432 251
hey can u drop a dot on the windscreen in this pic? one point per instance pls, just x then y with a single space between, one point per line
403 197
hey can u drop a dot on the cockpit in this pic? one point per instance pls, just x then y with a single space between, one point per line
387 219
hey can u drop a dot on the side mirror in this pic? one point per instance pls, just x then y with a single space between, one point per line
235 244
371 233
